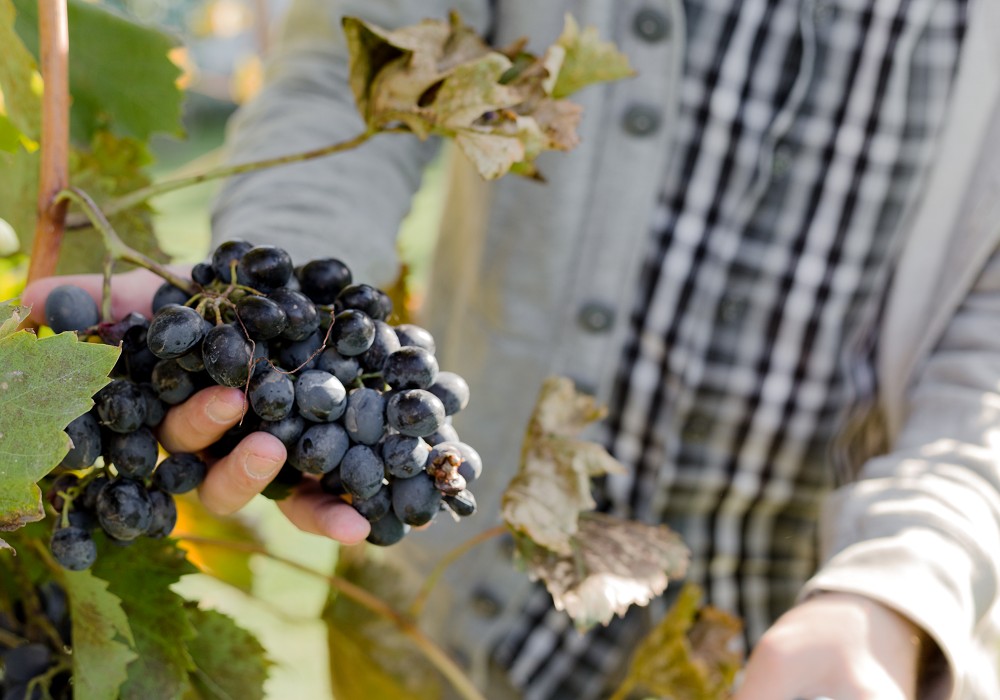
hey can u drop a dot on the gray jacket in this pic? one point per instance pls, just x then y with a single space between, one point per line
919 530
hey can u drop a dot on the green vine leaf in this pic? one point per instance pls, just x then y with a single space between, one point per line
10 137
369 656
102 639
44 384
613 565
141 575
689 654
18 72
230 662
587 60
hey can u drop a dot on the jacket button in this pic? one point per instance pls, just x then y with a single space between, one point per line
596 317
641 120
651 25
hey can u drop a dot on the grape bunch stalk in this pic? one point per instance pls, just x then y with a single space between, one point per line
361 405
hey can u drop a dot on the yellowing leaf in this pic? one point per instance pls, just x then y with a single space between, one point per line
230 661
224 563
102 638
552 486
690 654
612 565
587 60
44 384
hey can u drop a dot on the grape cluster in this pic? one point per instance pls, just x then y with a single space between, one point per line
36 669
361 405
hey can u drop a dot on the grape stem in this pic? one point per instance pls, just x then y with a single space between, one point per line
116 247
11 640
417 606
463 686
143 194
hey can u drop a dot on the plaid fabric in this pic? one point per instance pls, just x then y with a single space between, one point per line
805 128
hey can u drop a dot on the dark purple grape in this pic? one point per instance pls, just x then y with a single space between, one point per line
271 394
288 429
172 382
374 507
346 369
124 509
133 454
364 418
227 355
91 491
416 501
179 473
301 354
281 486
129 331
85 433
303 319
139 364
121 406
69 308
61 484
384 344
362 471
446 433
387 530
192 361
262 317
472 464
322 280
320 449
385 302
203 273
415 412
462 504
404 456
410 367
234 436
225 255
164 514
453 391
168 294
332 484
73 547
353 332
320 396
83 518
364 298
156 409
25 662
264 268
416 336
174 331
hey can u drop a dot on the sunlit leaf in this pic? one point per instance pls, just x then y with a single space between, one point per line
369 656
613 564
102 638
690 654
10 136
224 563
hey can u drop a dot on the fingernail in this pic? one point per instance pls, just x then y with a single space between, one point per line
260 467
223 411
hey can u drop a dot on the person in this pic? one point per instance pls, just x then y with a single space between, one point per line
773 256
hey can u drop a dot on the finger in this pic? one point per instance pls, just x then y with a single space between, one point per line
202 419
310 509
239 476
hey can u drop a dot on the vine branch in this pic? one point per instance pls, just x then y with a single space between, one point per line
53 34
359 595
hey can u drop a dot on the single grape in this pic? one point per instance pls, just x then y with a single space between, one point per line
203 273
320 449
364 418
164 514
92 490
332 484
453 391
415 412
346 369
301 354
410 367
264 268
271 394
85 432
472 464
192 361
139 364
446 433
376 506
227 355
121 406
69 308
23 663
416 501
410 334
320 396
463 503
129 331
225 255
353 332
385 304
83 518
387 530
364 298
73 547
133 454
404 456
179 473
172 382
168 294
174 331
262 317
322 280
124 509
385 343
288 429
234 436
362 471
156 409
303 319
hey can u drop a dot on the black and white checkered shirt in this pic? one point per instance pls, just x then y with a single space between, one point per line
805 129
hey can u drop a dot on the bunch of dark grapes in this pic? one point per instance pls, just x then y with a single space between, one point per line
33 651
360 404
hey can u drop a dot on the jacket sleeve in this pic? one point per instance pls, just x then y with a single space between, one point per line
347 205
920 529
